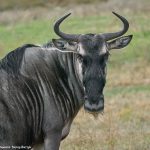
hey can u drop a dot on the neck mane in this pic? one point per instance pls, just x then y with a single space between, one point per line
56 72
68 63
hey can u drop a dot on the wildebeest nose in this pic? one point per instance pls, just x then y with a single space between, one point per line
85 97
93 107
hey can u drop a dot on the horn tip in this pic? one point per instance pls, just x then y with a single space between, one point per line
115 13
68 14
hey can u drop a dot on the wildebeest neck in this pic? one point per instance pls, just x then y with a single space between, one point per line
55 73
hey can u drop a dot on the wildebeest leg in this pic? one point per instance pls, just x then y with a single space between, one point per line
52 141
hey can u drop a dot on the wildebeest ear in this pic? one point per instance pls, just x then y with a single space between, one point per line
59 43
64 45
119 42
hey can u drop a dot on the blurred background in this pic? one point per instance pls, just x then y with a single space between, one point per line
125 124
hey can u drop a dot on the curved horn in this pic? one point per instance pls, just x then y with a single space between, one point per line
110 36
70 37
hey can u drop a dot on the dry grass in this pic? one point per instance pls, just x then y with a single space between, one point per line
130 74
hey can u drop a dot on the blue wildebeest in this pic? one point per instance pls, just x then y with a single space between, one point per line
43 87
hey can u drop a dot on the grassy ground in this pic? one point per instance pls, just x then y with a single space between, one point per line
126 122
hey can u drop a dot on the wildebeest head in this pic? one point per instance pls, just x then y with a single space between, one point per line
92 54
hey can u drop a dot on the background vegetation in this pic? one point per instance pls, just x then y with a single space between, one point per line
22 4
125 124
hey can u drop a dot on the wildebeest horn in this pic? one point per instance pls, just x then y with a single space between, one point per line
110 36
70 37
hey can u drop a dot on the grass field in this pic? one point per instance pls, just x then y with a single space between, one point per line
125 124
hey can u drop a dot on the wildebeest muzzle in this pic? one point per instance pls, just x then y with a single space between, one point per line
94 98
94 107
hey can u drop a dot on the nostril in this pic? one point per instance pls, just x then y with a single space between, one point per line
85 97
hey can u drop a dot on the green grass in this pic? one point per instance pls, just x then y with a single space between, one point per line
42 30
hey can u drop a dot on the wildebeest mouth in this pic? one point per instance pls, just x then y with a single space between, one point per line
94 108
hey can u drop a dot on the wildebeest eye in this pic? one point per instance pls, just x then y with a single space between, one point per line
80 58
87 61
103 59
